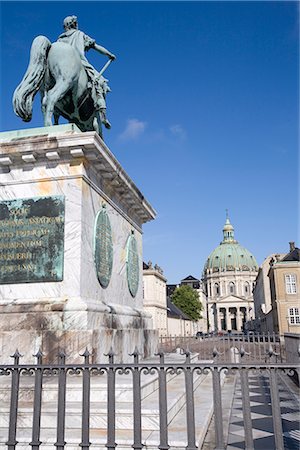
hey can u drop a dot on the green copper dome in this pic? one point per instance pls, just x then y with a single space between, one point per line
230 255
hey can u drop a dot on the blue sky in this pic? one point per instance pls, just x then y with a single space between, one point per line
204 112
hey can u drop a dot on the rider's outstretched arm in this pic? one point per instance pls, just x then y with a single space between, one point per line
103 50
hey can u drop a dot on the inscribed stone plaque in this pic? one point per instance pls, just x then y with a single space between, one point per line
103 247
132 265
32 239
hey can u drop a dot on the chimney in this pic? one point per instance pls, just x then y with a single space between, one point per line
292 246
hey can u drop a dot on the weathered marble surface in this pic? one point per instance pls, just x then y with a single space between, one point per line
80 167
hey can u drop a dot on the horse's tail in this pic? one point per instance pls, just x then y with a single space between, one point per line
25 92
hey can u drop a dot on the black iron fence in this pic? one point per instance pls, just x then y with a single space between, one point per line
162 371
230 347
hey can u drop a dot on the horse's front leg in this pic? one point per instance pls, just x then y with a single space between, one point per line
46 111
44 103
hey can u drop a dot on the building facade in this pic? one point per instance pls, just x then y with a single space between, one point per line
228 281
155 299
262 298
179 324
284 276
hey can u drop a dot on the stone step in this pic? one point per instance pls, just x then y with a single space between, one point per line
124 411
124 415
149 384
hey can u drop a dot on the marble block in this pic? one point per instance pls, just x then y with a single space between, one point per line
76 311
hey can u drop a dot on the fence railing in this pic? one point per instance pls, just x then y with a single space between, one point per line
16 378
229 348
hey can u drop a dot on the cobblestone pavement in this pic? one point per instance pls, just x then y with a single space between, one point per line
261 415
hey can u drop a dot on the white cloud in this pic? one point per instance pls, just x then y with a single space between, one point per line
178 131
133 130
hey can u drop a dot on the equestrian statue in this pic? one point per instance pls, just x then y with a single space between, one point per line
69 85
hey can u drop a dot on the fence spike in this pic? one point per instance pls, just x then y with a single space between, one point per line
61 356
17 355
86 355
39 356
215 352
243 352
111 354
161 356
270 352
187 356
135 354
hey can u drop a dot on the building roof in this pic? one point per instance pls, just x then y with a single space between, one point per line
294 255
175 312
230 255
190 278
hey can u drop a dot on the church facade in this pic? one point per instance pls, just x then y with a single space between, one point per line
228 280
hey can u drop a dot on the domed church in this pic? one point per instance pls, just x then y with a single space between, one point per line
228 280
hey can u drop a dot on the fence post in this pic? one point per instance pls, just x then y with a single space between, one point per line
190 409
246 409
275 403
137 407
163 408
36 421
13 412
218 409
85 422
61 403
111 402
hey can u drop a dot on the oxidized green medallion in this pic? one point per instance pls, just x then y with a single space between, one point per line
32 239
132 265
103 247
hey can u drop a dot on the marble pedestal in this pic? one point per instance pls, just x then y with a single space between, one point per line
75 312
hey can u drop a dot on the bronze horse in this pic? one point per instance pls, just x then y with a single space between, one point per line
63 86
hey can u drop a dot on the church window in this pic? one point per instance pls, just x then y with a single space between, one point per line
217 289
247 288
290 284
294 317
232 288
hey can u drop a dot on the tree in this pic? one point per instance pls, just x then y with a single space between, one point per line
187 299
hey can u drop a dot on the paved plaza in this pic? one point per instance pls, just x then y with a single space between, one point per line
261 414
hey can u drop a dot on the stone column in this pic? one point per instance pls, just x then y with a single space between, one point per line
228 322
238 319
247 313
219 320
215 316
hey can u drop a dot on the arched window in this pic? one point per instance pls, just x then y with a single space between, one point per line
246 289
217 289
231 288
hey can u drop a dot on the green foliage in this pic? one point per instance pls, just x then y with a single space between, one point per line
187 299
